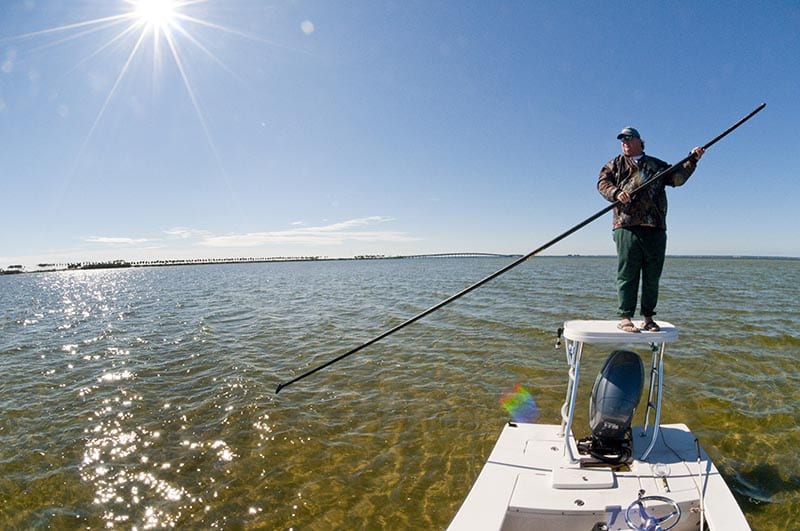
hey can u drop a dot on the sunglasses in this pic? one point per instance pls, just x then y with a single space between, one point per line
625 138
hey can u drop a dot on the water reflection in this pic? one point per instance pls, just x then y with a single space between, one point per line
145 398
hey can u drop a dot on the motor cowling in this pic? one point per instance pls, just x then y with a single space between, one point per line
615 395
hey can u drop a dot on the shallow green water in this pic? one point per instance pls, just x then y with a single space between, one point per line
144 398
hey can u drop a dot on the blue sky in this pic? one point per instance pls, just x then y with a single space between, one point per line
248 128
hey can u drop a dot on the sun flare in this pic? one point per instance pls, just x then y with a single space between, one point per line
157 13
170 29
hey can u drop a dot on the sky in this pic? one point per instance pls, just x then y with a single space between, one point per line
253 128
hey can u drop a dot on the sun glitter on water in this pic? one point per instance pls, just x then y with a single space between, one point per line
520 405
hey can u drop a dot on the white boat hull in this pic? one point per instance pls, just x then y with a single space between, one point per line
528 483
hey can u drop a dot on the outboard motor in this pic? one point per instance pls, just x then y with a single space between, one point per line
614 398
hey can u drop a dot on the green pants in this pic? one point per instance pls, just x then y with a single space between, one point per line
640 253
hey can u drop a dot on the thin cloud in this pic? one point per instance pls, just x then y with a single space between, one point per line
115 240
358 222
185 233
333 234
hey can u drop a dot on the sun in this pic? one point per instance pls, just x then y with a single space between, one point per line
167 27
155 13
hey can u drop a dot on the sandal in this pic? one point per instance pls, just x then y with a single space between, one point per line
627 326
651 326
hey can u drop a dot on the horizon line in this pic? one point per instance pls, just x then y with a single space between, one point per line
112 264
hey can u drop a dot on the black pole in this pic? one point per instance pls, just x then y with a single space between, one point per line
513 264
666 171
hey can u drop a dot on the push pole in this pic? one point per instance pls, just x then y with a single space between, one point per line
513 264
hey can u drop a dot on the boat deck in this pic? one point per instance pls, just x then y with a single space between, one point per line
526 480
535 477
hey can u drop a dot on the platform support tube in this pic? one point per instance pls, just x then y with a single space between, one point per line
574 353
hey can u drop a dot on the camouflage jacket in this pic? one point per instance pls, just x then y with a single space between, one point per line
649 206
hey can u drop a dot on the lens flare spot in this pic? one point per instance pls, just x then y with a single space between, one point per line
520 405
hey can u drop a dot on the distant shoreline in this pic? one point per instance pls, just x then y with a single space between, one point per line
121 264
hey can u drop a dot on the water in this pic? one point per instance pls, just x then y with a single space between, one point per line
144 398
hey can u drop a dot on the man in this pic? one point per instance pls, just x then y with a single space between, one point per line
640 228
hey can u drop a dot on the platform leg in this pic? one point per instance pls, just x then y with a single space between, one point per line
657 374
574 352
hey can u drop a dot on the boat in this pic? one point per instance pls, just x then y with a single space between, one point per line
650 477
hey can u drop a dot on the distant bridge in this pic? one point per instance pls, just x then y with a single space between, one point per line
458 255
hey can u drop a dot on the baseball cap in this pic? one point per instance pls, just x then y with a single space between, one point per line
628 131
